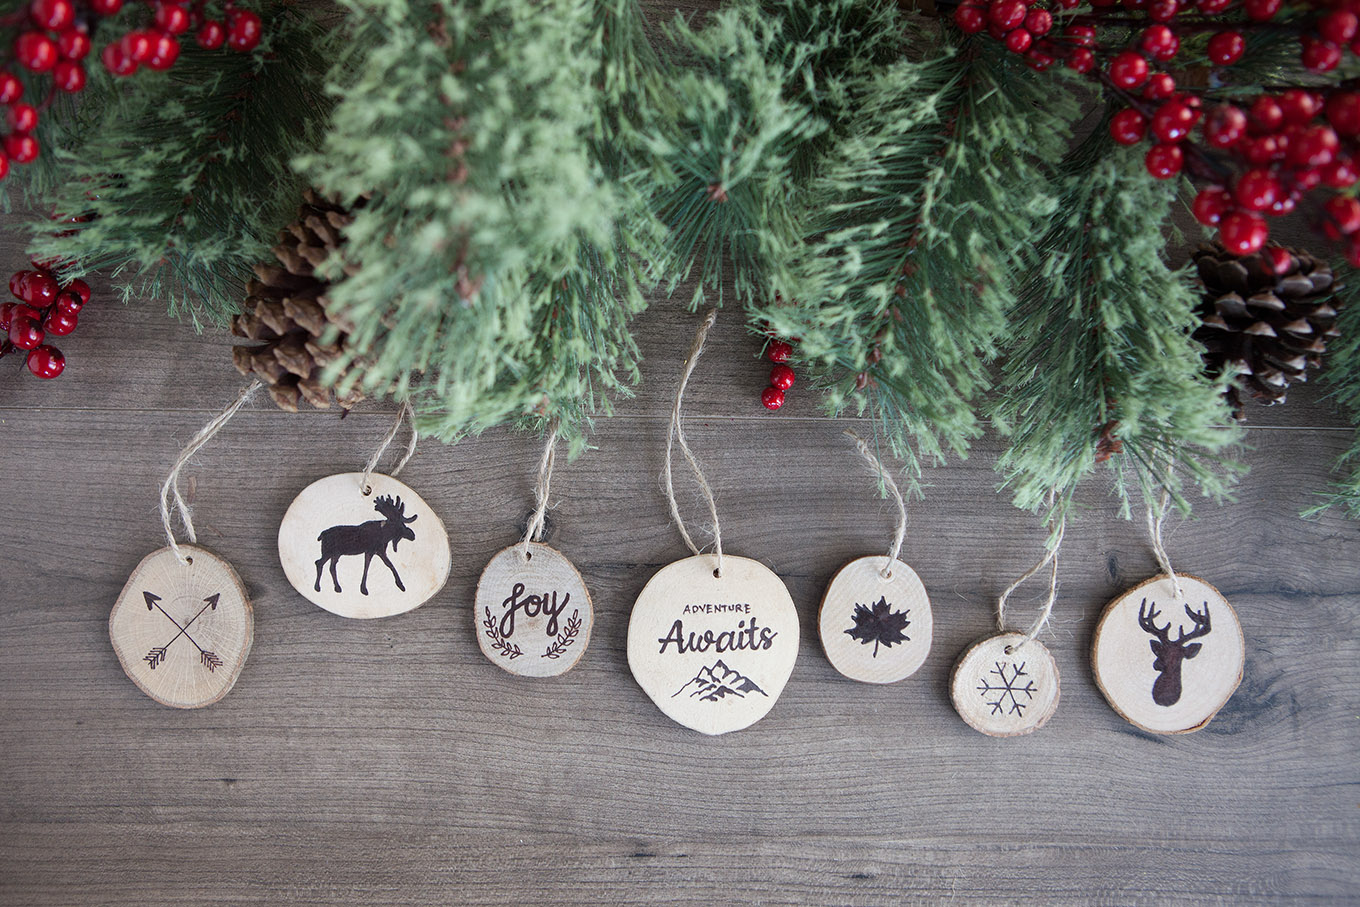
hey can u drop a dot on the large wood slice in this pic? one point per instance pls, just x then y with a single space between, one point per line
183 631
875 620
532 612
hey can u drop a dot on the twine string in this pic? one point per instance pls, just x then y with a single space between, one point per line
545 468
1046 611
877 467
171 485
1154 525
403 415
677 432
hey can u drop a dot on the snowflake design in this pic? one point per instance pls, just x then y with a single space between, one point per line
1009 688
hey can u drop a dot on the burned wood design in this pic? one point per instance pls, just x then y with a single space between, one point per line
369 539
1169 654
206 657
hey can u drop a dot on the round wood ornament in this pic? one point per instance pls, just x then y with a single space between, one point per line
532 612
1167 664
875 620
182 631
1003 688
360 554
713 652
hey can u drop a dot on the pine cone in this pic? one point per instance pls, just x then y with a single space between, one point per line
1267 328
287 309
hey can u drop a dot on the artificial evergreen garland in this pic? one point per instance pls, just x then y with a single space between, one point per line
908 202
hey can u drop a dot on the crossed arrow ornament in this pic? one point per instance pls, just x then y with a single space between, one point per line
207 657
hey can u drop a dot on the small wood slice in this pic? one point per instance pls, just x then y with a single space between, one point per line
875 620
1168 664
533 614
1004 688
713 652
182 631
363 555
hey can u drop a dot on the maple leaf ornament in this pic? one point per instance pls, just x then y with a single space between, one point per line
879 624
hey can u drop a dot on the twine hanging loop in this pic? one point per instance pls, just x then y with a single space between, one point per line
884 476
677 433
404 414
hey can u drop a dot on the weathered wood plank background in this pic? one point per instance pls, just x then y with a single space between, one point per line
388 762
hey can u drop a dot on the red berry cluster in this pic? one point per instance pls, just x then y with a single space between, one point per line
1259 159
55 40
45 308
781 376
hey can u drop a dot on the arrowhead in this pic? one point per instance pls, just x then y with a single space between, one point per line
212 599
151 600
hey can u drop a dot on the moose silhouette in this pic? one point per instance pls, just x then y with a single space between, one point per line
1168 654
369 539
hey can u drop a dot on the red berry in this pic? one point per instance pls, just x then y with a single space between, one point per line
1039 59
1213 7
1307 178
6 312
137 45
1018 40
1266 114
969 19
1128 69
1163 10
1211 204
1081 60
1071 4
772 397
1159 87
1339 26
69 77
1007 14
1160 42
781 377
1340 174
213 35
60 323
23 117
171 17
73 44
81 289
1164 161
4 165
244 28
1128 126
117 61
1343 112
18 283
11 89
1226 47
1038 22
21 148
1353 251
69 303
46 361
24 331
1173 121
1080 35
53 15
1278 259
1243 233
1262 150
1319 55
779 351
164 52
35 51
1299 106
106 7
1315 146
1256 190
1225 126
1262 10
41 290
1344 214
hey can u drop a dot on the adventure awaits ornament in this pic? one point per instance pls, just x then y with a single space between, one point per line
1167 662
533 611
363 554
713 652
182 630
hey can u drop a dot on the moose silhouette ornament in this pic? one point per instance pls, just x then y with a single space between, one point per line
334 531
1167 662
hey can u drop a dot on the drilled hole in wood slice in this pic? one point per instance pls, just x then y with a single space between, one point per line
182 631
1168 663
363 555
532 619
1005 686
876 628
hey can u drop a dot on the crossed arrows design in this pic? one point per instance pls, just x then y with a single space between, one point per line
157 655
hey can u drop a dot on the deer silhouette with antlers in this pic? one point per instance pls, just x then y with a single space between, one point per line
1170 653
369 539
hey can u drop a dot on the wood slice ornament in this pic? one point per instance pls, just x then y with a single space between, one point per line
1005 686
875 620
182 631
1167 662
363 553
713 652
533 612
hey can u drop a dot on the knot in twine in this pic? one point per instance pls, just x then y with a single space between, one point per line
403 414
677 433
534 531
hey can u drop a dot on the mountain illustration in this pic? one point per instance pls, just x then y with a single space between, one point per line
719 681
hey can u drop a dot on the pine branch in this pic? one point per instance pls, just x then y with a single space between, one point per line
1342 375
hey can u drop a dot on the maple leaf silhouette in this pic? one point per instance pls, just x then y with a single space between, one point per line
879 624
